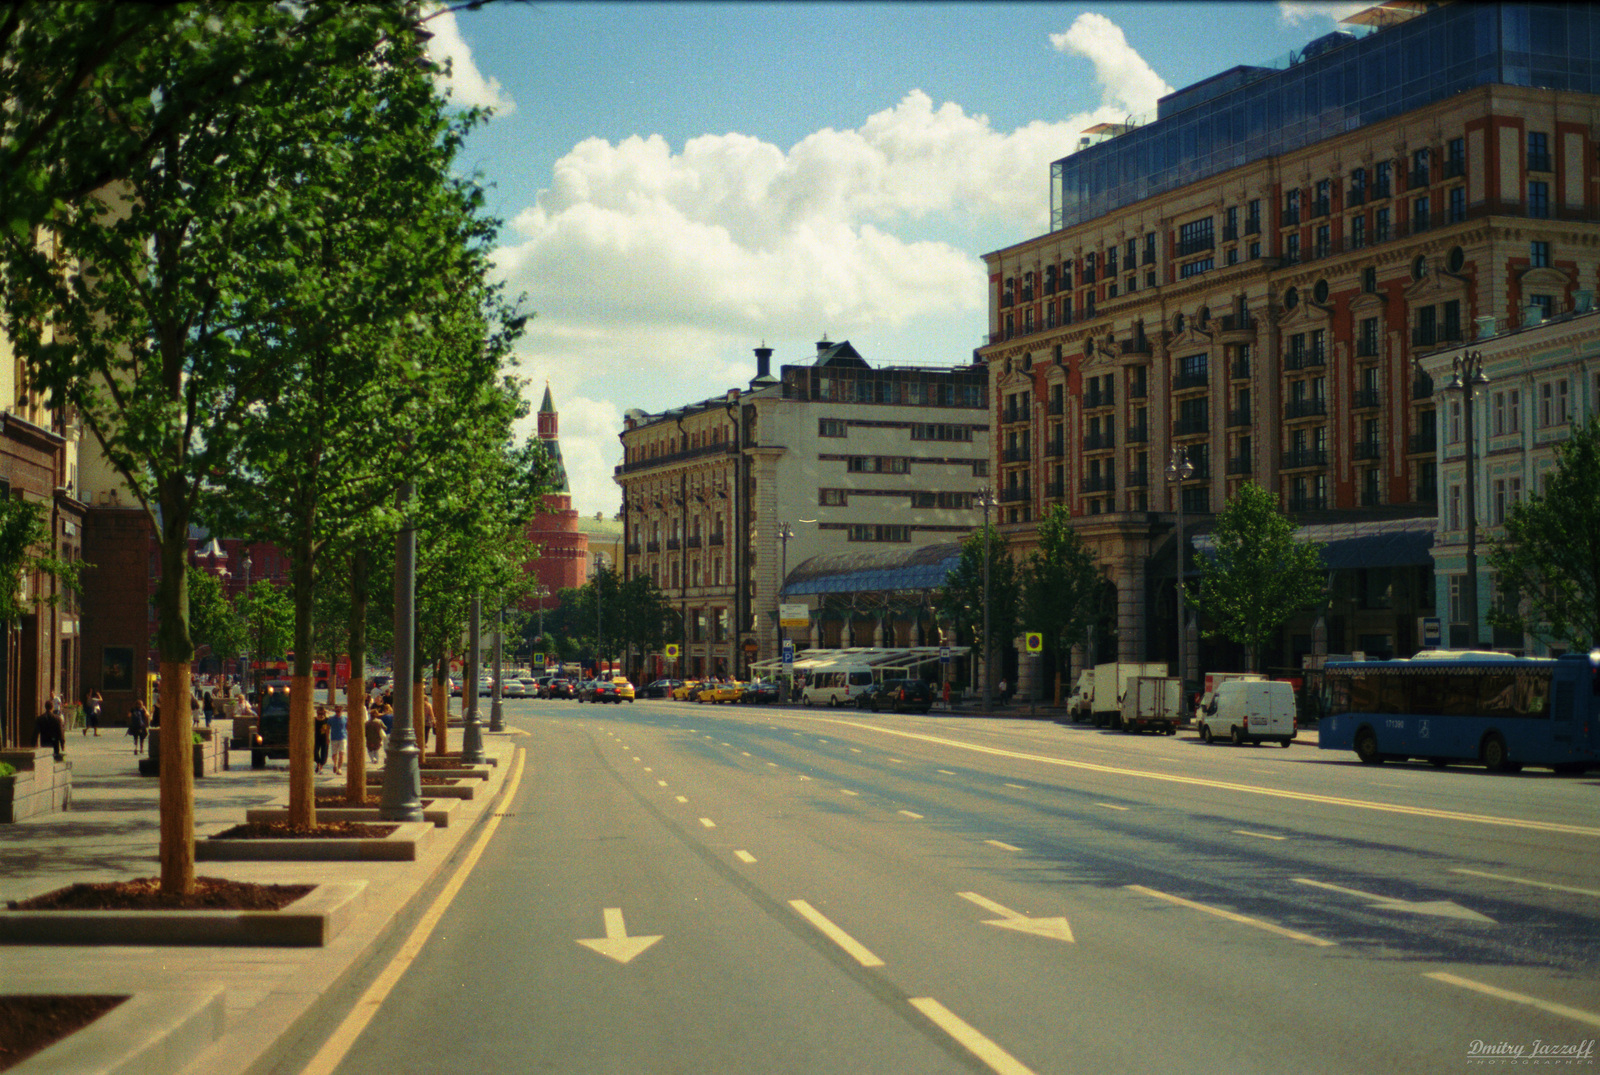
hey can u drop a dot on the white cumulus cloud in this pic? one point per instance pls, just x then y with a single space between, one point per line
464 84
1299 12
1126 81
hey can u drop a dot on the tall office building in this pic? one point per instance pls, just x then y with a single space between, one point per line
1251 278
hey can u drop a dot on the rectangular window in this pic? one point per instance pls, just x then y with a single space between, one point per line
1538 151
1539 254
1291 249
1420 218
1150 248
1111 262
1539 199
1088 268
1453 519
1195 237
1252 217
1380 226
1358 231
1455 160
1381 179
1358 187
1458 204
1367 345
831 427
1419 168
1195 268
878 532
1133 252
1291 208
833 498
1453 424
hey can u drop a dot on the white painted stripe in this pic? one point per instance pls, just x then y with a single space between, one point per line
772 765
1526 881
946 772
648 769
1243 920
663 783
855 948
803 776
1577 1015
746 753
969 1038
847 791
1258 835
681 798
1019 787
855 750
1112 806
1001 846
913 817
708 823
744 856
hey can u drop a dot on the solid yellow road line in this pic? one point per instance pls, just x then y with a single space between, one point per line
708 823
912 816
1243 920
1001 846
1575 1014
857 951
968 1036
1224 785
1113 806
744 856
335 1049
1526 881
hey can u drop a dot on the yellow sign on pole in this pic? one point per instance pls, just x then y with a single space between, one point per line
1033 641
672 651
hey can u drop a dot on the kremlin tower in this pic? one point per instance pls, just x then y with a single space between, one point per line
563 555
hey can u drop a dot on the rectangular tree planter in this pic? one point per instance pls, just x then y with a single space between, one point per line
435 811
464 790
40 785
398 846
309 922
210 755
147 1032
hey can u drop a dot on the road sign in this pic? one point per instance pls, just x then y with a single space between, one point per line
1432 632
944 654
788 655
1033 642
794 616
672 651
538 662
750 646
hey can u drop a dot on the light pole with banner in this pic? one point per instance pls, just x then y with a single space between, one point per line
986 501
1466 378
1179 470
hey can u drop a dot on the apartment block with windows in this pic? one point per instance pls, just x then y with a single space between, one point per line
1543 382
840 456
1254 276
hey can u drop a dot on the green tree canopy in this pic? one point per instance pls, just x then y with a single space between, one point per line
1259 575
1549 558
961 598
213 620
1061 588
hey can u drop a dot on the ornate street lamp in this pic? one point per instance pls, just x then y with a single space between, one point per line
1466 377
599 622
986 501
1180 470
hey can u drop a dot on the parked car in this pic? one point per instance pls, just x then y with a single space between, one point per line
866 697
661 688
624 688
1246 711
598 691
903 695
513 688
720 692
558 687
759 693
685 691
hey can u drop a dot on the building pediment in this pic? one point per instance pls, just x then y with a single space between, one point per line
1545 278
1306 315
1368 304
1435 284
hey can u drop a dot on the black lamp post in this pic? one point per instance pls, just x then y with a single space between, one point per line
986 501
1466 377
1180 470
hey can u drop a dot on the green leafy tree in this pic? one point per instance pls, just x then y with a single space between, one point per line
961 598
268 615
1061 589
214 622
1260 575
1549 558
24 552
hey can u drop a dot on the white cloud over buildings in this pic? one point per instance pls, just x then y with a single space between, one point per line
464 84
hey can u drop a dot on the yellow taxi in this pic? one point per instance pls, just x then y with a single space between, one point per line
720 692
685 691
624 688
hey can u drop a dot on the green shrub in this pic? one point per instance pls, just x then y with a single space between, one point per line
7 770
198 738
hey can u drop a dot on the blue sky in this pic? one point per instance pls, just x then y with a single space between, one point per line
683 182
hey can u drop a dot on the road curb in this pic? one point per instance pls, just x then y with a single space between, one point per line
147 1034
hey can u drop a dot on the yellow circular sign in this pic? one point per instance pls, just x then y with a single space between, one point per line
1034 641
672 652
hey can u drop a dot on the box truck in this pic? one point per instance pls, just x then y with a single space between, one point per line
1111 685
1153 703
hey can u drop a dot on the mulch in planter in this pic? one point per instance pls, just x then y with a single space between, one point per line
323 830
344 800
144 894
29 1024
437 762
435 778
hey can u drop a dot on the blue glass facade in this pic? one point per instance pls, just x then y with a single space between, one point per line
1385 74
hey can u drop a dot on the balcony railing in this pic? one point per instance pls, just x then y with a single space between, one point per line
1240 464
1308 503
652 546
1137 479
1365 398
1015 455
1013 414
1196 246
1196 423
692 542
1423 442
1305 408
1300 458
1371 498
1239 416
716 539
1304 360
1321 207
1014 495
1099 442
1355 196
1137 390
1366 449
1291 217
1055 448
1238 323
1241 369
1099 398
1058 407
1366 348
1421 388
1054 490
1417 179
1100 483
1137 344
1191 379
673 544
1538 162
1137 435
633 548
1454 167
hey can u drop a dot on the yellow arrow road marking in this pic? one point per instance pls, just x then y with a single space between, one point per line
616 944
1055 928
1243 920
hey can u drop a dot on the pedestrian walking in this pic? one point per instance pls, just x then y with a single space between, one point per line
336 739
49 731
322 737
947 694
375 733
91 713
138 725
208 708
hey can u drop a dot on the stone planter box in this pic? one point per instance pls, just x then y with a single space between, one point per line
436 811
210 755
40 785
464 790
311 921
398 846
157 1031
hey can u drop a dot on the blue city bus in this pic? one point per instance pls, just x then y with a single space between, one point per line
1495 710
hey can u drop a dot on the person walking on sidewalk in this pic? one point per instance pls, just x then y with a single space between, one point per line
375 730
208 708
91 713
336 738
49 731
138 725
322 737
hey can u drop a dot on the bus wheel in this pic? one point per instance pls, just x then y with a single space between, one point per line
1367 747
1494 754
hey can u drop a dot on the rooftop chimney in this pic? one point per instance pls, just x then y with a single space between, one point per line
763 375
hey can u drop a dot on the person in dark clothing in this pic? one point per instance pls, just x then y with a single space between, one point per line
322 737
49 730
208 708
138 725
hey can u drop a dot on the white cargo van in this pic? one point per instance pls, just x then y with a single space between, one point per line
836 686
1215 680
1250 711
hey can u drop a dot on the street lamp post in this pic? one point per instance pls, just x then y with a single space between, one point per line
599 620
497 721
785 532
472 731
1466 377
986 501
402 768
1179 470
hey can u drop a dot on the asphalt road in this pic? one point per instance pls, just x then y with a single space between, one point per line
839 893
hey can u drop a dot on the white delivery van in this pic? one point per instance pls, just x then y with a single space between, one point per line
1250 711
1215 680
836 686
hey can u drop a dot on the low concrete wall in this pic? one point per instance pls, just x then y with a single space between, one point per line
210 755
41 785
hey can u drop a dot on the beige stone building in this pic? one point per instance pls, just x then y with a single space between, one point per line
723 497
1252 278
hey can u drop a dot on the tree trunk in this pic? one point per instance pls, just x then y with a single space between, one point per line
419 712
355 787
302 685
441 704
177 728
